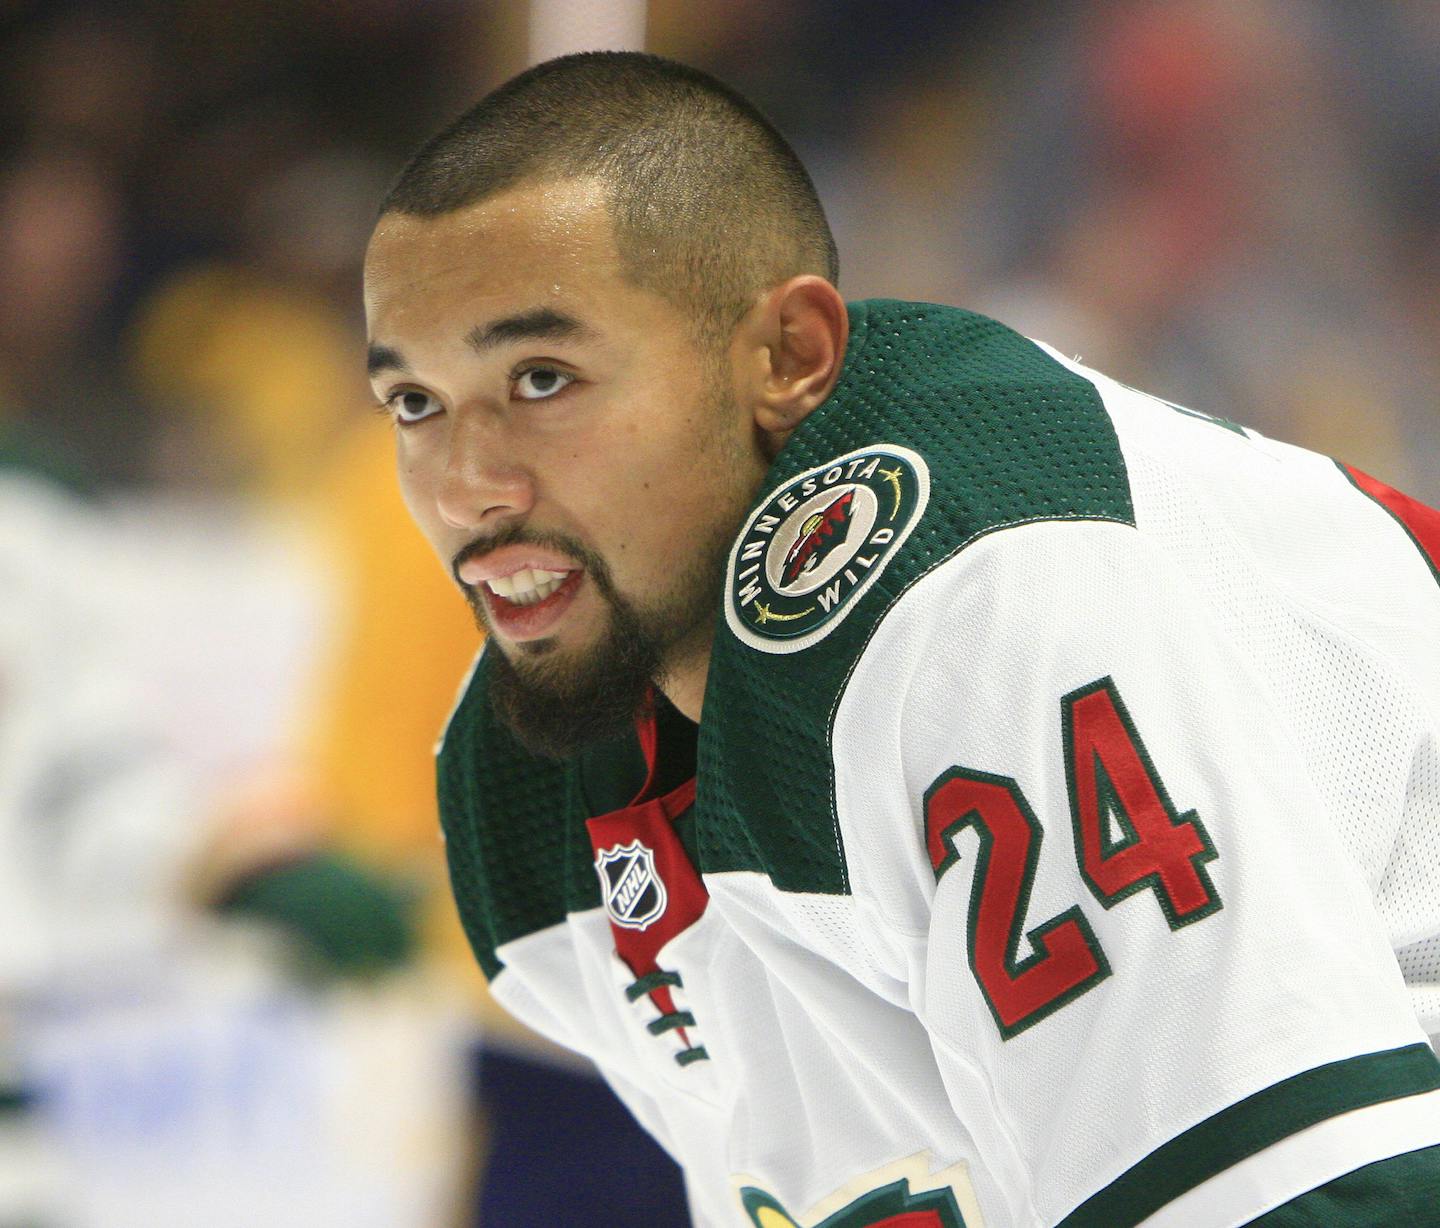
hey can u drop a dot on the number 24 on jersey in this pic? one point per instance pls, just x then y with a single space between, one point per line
1113 787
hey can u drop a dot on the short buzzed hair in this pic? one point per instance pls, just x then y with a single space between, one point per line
710 204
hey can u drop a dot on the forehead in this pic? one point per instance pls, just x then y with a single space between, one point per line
533 245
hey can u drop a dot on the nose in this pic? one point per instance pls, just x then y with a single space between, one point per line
483 481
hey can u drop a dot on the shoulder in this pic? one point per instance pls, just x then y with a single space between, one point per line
944 428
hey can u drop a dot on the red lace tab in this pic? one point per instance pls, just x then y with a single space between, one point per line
650 889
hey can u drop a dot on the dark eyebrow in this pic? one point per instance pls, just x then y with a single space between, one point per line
542 324
382 358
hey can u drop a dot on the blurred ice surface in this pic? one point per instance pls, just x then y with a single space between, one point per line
201 1088
154 650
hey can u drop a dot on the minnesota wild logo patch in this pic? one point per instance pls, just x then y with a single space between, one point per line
818 542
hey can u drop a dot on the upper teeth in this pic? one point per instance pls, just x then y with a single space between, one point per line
527 587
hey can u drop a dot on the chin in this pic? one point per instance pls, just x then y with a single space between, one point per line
557 702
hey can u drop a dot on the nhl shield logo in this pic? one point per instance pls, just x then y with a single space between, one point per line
633 893
818 542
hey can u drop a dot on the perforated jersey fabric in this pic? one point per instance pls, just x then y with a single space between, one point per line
1009 436
1081 872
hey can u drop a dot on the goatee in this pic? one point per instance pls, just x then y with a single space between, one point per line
554 706
556 702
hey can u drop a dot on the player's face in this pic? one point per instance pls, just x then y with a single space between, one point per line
572 453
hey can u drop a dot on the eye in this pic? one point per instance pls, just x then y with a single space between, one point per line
412 406
537 383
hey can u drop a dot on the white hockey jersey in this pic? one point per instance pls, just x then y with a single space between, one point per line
1062 846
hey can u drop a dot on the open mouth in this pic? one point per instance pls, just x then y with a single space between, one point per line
527 587
530 603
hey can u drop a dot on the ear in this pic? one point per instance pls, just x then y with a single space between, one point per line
789 348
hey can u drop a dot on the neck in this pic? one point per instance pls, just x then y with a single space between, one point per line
683 682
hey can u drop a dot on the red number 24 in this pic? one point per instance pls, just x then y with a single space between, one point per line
1129 837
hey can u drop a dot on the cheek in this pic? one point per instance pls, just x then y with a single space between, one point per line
407 474
417 493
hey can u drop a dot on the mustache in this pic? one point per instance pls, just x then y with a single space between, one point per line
520 535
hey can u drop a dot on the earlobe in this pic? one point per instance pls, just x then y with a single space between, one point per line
804 327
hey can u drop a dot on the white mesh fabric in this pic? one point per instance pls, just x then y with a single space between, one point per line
1339 617
1420 963
853 1072
1355 725
1409 895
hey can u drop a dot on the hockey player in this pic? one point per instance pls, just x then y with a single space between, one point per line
936 784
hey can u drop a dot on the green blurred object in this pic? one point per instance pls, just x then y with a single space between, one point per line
346 920
23 451
14 1100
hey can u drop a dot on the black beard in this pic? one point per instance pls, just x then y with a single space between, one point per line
554 710
554 704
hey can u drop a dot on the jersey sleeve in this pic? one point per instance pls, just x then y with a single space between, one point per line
1155 980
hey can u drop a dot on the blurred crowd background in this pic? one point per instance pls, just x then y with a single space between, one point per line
228 965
